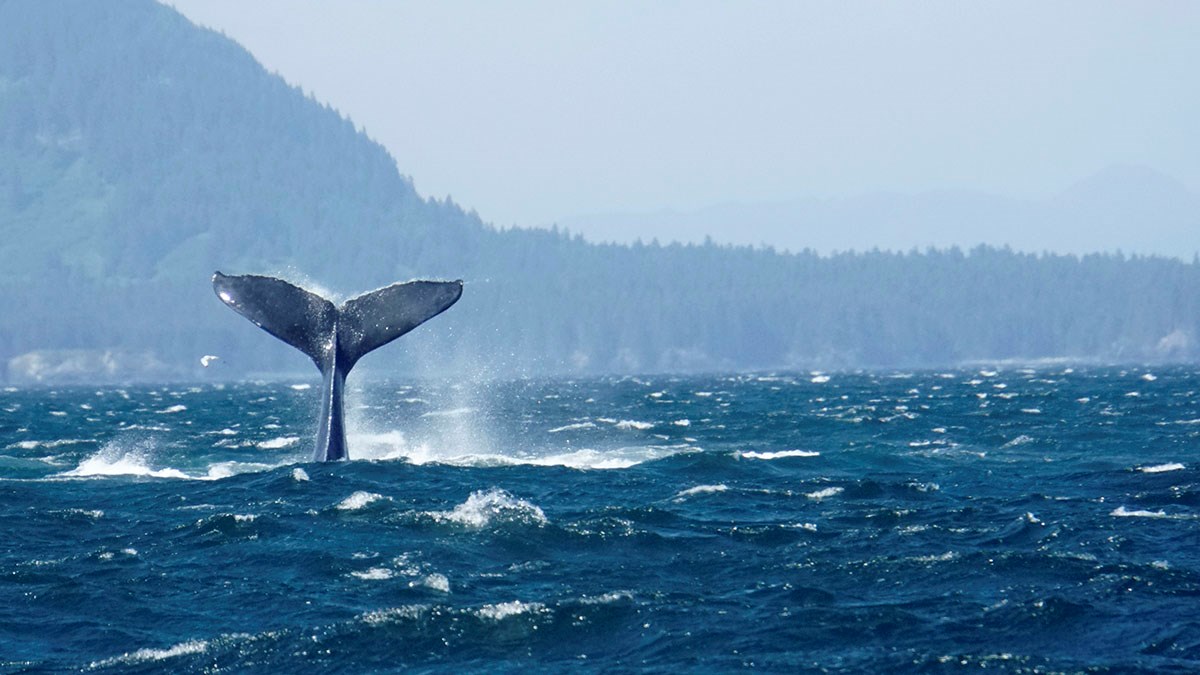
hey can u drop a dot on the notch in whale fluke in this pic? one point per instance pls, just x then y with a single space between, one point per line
335 338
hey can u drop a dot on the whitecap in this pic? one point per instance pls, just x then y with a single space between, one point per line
374 574
819 379
382 616
145 655
1162 468
277 443
573 427
823 494
1032 411
113 460
700 490
145 427
358 500
1149 377
482 508
622 458
299 475
226 469
502 610
1019 440
392 445
634 424
31 445
778 454
437 582
301 387
606 598
1122 512
178 407
682 423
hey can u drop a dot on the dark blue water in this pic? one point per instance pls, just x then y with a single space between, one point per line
1015 520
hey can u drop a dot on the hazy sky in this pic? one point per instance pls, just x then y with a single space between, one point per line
530 112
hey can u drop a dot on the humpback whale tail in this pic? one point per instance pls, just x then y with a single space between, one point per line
335 338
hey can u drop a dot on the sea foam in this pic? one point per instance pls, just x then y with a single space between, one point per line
752 454
484 508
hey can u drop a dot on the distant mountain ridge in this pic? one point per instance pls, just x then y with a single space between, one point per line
139 153
1132 209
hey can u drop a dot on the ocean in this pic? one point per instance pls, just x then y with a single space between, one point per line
1007 519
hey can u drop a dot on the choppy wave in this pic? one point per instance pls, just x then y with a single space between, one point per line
485 508
818 513
1162 468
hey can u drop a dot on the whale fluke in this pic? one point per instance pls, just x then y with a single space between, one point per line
335 338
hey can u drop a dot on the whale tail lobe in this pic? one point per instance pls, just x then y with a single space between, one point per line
335 338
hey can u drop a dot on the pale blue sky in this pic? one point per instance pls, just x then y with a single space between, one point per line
532 112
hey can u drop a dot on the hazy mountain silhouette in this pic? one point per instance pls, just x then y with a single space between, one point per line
1122 208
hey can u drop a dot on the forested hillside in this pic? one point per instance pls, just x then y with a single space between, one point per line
139 153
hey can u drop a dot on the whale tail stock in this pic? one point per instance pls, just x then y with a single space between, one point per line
335 338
